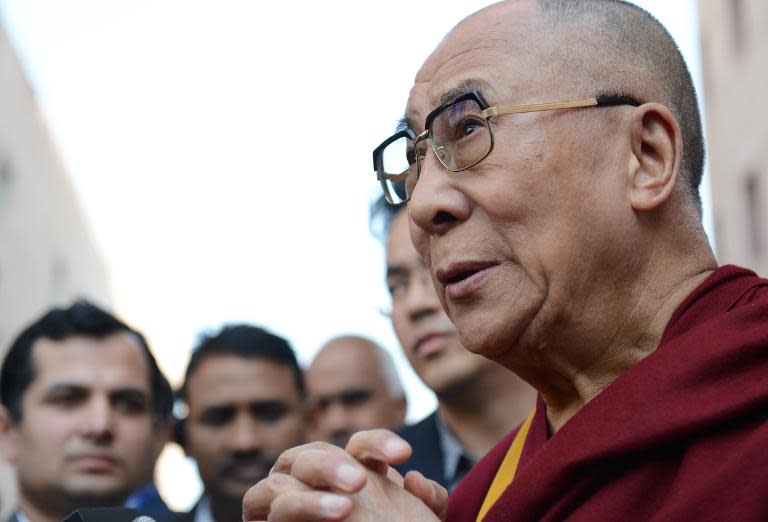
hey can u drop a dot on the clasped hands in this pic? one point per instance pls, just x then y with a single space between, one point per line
320 482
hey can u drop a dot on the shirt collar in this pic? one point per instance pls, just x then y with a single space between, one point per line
452 451
203 511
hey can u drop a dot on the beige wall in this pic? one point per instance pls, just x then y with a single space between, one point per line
47 253
734 39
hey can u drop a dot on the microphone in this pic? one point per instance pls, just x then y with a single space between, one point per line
107 515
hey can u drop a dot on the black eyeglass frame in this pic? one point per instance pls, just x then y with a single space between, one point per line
603 100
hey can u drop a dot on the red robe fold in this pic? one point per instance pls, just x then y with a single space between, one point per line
683 435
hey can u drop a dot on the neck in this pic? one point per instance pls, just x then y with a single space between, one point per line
624 337
225 509
480 413
44 512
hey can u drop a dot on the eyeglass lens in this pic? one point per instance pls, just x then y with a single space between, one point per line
460 135
460 138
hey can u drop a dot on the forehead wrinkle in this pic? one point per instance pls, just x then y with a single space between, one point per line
463 76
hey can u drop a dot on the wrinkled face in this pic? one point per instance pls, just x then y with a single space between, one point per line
242 413
86 434
513 243
426 334
348 393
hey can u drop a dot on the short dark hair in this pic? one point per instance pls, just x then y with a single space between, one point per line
249 342
80 319
382 216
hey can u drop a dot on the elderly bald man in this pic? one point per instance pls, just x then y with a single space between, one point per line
559 216
352 385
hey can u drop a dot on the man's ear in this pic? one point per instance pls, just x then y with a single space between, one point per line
657 152
402 409
163 435
8 436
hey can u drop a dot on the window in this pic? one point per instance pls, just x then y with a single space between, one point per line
738 26
755 216
6 183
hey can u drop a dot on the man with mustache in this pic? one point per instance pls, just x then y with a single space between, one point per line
85 412
245 404
550 159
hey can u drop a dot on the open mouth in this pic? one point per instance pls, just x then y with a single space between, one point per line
459 272
461 276
461 279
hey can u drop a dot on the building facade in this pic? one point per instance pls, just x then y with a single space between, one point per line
47 253
734 45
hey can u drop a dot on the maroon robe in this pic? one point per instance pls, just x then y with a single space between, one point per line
682 435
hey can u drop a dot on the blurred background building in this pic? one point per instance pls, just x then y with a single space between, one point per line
734 47
47 254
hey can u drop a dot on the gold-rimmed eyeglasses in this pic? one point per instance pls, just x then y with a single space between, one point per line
461 137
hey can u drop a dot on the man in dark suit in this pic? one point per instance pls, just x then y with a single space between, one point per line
465 425
245 402
85 412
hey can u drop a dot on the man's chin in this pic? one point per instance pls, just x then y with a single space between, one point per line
96 492
233 493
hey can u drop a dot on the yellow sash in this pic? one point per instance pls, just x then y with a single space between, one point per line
506 471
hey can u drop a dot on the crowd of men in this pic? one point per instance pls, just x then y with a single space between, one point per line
551 282
86 410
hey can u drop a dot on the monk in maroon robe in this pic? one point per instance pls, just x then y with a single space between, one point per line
680 436
554 155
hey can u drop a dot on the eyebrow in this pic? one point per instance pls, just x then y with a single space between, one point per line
463 88
250 404
70 387
446 96
65 387
395 270
128 391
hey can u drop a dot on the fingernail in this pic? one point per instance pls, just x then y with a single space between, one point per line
395 446
332 505
349 475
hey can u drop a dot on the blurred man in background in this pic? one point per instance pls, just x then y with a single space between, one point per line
465 425
245 401
353 385
85 412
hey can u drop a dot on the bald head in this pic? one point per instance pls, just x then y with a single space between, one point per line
564 207
593 47
353 385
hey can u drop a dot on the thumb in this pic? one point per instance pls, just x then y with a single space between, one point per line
428 491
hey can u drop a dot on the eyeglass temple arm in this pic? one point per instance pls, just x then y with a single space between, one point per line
490 112
392 177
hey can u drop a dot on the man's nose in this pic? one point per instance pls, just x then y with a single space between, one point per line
337 417
437 203
421 299
244 435
98 420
